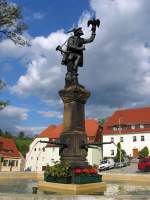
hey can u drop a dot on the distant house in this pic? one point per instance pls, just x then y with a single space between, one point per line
41 154
10 157
131 127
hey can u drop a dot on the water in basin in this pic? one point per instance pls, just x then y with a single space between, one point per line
19 186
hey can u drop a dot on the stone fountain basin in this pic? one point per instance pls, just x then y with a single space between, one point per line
18 186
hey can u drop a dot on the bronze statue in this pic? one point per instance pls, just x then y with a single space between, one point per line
73 55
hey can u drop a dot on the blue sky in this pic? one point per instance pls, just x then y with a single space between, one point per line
54 15
116 65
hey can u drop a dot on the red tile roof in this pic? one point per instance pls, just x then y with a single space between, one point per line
53 132
134 116
8 148
46 132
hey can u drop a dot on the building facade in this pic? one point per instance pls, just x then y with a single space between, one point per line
41 154
131 127
10 157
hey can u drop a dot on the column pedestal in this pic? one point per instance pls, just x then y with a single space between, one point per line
74 99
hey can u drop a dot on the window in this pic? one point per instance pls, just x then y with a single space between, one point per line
119 128
141 126
133 127
112 153
5 162
43 168
9 162
13 163
114 128
39 149
128 126
112 139
121 139
37 158
134 138
43 149
137 126
142 138
16 163
146 125
35 149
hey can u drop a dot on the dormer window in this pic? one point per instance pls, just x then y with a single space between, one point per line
141 126
132 126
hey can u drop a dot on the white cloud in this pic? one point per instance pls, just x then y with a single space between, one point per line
11 116
116 65
30 131
44 73
98 111
14 112
52 103
51 114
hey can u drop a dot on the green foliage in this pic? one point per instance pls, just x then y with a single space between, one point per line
62 169
144 152
11 23
119 154
5 134
2 103
102 121
23 145
21 134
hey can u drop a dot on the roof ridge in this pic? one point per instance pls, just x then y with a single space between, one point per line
135 108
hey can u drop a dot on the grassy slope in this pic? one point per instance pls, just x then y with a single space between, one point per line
23 144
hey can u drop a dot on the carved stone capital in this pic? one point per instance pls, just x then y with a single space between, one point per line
74 93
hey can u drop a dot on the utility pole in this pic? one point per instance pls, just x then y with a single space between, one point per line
120 140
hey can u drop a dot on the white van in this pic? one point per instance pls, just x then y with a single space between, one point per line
106 164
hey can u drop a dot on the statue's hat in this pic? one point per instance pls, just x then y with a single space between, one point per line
75 30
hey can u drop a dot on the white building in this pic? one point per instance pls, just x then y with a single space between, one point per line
41 154
131 127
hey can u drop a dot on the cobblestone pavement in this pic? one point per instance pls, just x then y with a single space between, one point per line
131 169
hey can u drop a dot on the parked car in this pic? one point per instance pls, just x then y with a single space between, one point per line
106 164
120 164
144 164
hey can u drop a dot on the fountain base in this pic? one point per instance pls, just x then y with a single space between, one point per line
73 189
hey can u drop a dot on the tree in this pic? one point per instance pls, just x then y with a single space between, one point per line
144 152
102 121
120 153
2 103
12 27
21 134
11 23
1 133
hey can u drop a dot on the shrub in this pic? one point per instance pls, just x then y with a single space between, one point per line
62 169
144 152
123 153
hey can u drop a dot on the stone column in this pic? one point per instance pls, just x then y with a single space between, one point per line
74 99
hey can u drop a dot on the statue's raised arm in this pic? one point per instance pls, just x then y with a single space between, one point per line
94 23
73 54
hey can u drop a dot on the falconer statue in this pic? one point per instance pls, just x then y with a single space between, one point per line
73 54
